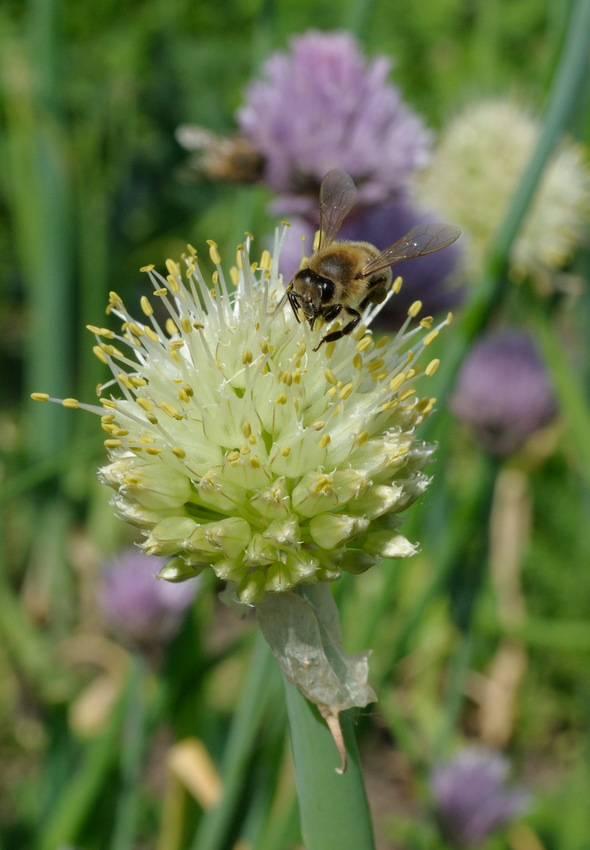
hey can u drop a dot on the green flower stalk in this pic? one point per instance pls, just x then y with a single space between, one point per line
234 446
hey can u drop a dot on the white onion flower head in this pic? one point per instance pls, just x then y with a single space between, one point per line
484 151
233 445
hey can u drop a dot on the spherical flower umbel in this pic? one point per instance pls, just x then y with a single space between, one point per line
471 799
503 391
323 105
234 445
484 151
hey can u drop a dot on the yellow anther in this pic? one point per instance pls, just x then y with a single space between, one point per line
98 352
147 440
144 403
146 306
426 322
178 452
246 356
176 344
430 337
264 346
252 439
160 292
149 268
254 462
432 367
390 405
376 364
449 319
154 451
246 429
151 417
234 275
137 382
245 450
286 451
330 376
152 335
396 382
407 394
414 309
281 399
362 438
233 456
108 403
214 252
173 268
40 396
364 344
135 329
329 349
171 328
324 441
113 444
397 284
346 390
317 426
380 376
357 362
170 410
266 260
382 342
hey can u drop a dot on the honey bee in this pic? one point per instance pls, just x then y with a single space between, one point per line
345 276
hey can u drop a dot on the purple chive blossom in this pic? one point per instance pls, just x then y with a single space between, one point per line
503 391
471 799
140 609
323 105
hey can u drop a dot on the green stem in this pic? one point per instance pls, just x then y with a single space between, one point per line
134 738
255 698
78 798
333 808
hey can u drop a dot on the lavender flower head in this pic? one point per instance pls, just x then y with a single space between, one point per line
503 391
139 608
471 798
321 106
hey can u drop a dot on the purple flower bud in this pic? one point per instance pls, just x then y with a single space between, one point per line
503 391
142 610
471 798
322 106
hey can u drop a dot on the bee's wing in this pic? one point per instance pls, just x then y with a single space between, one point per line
337 198
422 239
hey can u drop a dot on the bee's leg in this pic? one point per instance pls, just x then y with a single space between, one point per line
347 329
294 302
331 314
377 295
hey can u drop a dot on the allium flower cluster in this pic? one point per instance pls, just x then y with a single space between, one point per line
503 391
471 798
484 151
323 106
234 445
140 609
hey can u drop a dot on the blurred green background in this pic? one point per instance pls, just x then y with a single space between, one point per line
93 186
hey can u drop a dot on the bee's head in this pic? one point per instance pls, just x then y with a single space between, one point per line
310 292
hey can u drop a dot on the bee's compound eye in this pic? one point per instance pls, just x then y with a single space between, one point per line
327 291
